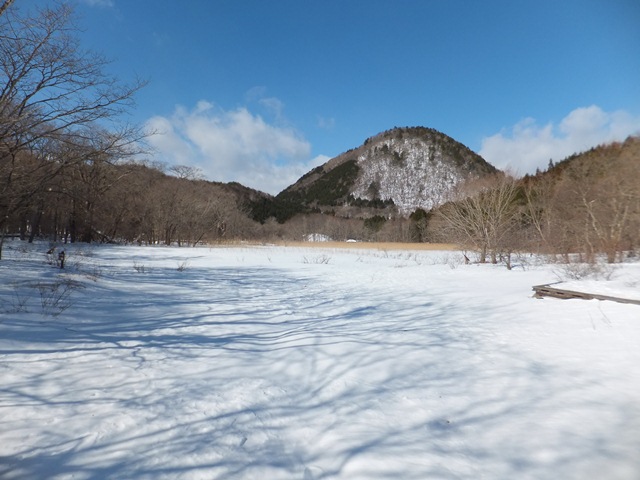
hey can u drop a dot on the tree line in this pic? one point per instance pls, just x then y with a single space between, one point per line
72 170
587 205
59 112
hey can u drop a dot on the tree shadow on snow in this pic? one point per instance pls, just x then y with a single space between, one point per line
262 373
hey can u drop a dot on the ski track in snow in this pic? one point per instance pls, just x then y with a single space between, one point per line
259 363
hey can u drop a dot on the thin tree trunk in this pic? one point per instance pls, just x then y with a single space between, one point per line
6 4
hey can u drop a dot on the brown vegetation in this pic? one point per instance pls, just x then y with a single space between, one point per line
588 205
391 246
69 171
57 112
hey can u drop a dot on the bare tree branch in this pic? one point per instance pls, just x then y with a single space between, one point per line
57 105
6 4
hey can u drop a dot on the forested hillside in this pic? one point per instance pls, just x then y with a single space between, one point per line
73 170
587 204
391 174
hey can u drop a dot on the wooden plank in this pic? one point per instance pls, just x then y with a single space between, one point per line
548 291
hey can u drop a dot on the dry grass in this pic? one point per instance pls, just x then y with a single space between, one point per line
384 246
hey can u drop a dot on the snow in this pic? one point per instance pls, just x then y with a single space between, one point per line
422 160
317 237
308 363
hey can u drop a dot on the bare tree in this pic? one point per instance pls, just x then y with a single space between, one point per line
484 217
538 212
54 97
599 199
187 172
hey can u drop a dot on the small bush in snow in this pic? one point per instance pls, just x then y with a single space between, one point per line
579 271
450 259
82 262
94 272
18 301
320 259
138 267
454 261
55 297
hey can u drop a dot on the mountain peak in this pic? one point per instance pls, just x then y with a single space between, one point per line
400 169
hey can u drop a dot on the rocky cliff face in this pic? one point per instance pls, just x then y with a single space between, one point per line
408 168
416 168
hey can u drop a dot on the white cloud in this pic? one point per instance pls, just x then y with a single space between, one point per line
99 3
527 145
234 145
164 138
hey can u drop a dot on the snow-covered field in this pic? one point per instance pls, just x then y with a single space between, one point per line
308 363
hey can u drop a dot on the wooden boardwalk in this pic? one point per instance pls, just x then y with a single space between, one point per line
549 291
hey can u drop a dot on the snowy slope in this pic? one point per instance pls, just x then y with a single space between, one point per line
286 363
425 177
415 167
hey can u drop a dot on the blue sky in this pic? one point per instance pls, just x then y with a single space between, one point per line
261 91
